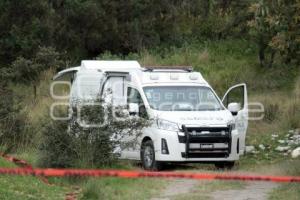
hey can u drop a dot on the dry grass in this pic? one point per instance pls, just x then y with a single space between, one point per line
285 114
204 56
148 59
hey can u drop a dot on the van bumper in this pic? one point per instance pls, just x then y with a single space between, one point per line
183 151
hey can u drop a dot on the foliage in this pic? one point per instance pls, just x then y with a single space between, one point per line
87 145
28 70
12 122
82 29
24 26
275 27
271 112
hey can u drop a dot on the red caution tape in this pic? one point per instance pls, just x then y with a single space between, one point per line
22 164
139 174
19 162
27 169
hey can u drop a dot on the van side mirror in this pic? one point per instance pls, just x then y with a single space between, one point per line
133 108
234 108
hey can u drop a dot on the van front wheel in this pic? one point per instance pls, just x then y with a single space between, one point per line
148 157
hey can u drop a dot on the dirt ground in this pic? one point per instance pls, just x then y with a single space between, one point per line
252 191
177 187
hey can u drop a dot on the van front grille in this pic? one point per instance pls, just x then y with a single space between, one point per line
205 142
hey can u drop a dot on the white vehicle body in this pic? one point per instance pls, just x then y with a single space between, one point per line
180 134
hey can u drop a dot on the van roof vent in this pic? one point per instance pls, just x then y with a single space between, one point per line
194 76
168 68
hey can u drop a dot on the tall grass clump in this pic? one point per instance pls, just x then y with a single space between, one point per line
292 114
12 120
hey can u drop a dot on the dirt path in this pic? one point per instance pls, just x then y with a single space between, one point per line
252 191
177 187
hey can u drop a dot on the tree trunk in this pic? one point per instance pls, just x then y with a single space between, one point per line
34 92
288 57
261 50
206 8
272 59
261 56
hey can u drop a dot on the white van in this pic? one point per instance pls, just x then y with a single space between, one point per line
191 123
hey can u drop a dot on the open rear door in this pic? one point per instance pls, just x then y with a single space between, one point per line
66 73
238 94
114 88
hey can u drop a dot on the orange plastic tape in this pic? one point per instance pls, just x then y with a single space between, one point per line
22 164
19 162
139 174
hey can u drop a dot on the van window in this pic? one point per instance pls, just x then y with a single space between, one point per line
133 96
235 95
115 91
182 98
86 87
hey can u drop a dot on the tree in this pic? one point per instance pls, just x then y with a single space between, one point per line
275 27
24 26
28 70
285 20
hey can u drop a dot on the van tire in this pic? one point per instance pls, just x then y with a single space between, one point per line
148 157
224 165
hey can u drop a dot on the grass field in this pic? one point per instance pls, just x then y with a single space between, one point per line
119 189
16 187
27 187
286 191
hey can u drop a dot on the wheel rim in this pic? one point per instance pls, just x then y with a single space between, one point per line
148 156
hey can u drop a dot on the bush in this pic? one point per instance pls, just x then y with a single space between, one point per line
76 144
271 112
56 149
12 121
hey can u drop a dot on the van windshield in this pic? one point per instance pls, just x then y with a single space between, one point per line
182 98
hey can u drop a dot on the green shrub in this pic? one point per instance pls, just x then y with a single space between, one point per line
12 121
271 112
56 148
71 144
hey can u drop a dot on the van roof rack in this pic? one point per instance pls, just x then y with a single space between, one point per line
167 68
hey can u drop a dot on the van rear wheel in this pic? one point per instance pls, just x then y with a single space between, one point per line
148 157
225 165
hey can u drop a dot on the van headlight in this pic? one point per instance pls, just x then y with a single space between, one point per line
167 125
231 125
